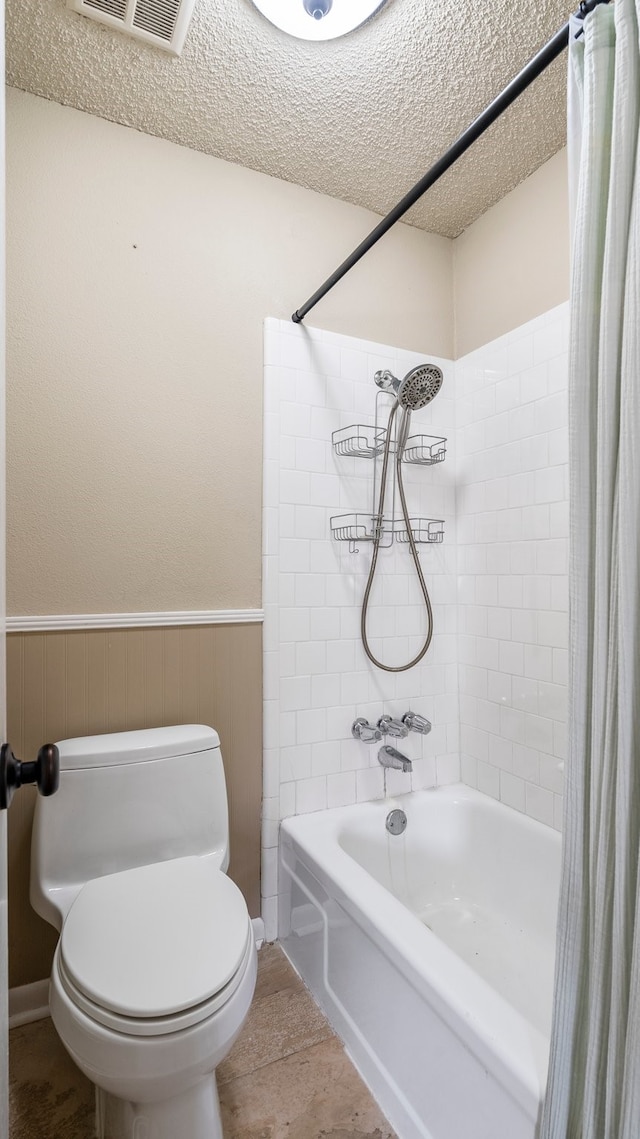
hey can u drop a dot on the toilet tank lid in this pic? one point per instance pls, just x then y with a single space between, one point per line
119 748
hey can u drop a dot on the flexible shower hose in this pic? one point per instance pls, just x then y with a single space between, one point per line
400 445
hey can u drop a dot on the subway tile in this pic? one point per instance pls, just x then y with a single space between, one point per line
294 555
512 791
526 763
553 629
294 624
511 658
369 784
310 589
341 789
488 779
551 773
553 700
447 769
310 725
311 794
551 556
424 775
324 623
340 655
269 872
549 484
539 803
499 686
525 694
325 757
310 657
510 591
295 762
560 668
524 625
501 752
324 490
512 724
310 522
469 770
325 690
295 693
539 732
295 419
538 662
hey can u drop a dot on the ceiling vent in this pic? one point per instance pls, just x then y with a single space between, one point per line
160 22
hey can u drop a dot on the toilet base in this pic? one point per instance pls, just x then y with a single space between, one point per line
194 1113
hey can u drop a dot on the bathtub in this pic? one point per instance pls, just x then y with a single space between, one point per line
431 953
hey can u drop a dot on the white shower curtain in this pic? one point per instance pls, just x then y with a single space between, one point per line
593 1088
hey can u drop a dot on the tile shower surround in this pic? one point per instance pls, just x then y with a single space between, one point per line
494 680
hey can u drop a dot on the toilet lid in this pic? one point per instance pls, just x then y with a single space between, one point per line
155 940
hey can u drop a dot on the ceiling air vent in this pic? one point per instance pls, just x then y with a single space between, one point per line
160 22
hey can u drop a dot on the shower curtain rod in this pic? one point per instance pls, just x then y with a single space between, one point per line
531 71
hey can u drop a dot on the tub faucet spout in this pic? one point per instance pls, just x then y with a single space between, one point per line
389 757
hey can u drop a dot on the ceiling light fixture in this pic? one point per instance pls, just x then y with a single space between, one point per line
318 19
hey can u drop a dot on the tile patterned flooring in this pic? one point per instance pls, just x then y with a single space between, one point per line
287 1076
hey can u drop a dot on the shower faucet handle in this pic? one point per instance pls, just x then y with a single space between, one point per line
365 732
390 727
416 723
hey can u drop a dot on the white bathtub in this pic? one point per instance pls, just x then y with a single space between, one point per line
431 954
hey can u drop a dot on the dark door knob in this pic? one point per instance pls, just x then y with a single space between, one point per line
44 772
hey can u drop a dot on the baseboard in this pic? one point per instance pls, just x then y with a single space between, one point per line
28 1003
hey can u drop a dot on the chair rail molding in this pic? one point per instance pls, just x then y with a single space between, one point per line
57 622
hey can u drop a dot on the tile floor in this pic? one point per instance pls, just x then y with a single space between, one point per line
287 1076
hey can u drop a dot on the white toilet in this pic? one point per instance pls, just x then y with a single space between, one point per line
155 968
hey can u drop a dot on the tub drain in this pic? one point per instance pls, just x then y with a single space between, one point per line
396 822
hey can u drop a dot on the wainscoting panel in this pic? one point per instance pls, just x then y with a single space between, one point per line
64 684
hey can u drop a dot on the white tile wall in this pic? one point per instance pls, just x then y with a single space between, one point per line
494 681
512 530
317 676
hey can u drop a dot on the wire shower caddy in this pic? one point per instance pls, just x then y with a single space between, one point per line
361 441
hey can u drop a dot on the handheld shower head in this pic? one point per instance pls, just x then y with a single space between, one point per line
416 390
419 387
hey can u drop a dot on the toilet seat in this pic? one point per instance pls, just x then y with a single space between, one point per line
155 949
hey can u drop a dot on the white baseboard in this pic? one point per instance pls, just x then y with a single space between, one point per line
28 1003
31 1002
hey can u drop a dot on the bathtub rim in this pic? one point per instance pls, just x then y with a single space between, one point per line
512 1050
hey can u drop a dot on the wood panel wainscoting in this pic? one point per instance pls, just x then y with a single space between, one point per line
66 683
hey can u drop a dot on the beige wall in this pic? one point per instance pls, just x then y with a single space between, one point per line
73 684
139 275
512 264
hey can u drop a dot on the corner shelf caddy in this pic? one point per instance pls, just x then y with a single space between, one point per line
368 442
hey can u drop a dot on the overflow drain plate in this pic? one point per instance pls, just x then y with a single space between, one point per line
396 822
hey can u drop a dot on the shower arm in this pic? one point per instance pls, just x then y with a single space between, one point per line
524 79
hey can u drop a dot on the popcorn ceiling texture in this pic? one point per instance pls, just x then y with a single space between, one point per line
359 118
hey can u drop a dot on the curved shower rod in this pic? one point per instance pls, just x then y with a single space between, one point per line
530 71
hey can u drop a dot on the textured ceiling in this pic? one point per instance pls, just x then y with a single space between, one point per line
360 118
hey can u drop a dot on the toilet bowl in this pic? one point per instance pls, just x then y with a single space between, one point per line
155 968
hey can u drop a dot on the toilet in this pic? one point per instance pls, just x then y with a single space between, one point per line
155 967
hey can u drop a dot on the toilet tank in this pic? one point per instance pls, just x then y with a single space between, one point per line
127 799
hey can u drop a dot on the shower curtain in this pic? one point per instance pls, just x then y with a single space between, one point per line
593 1088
